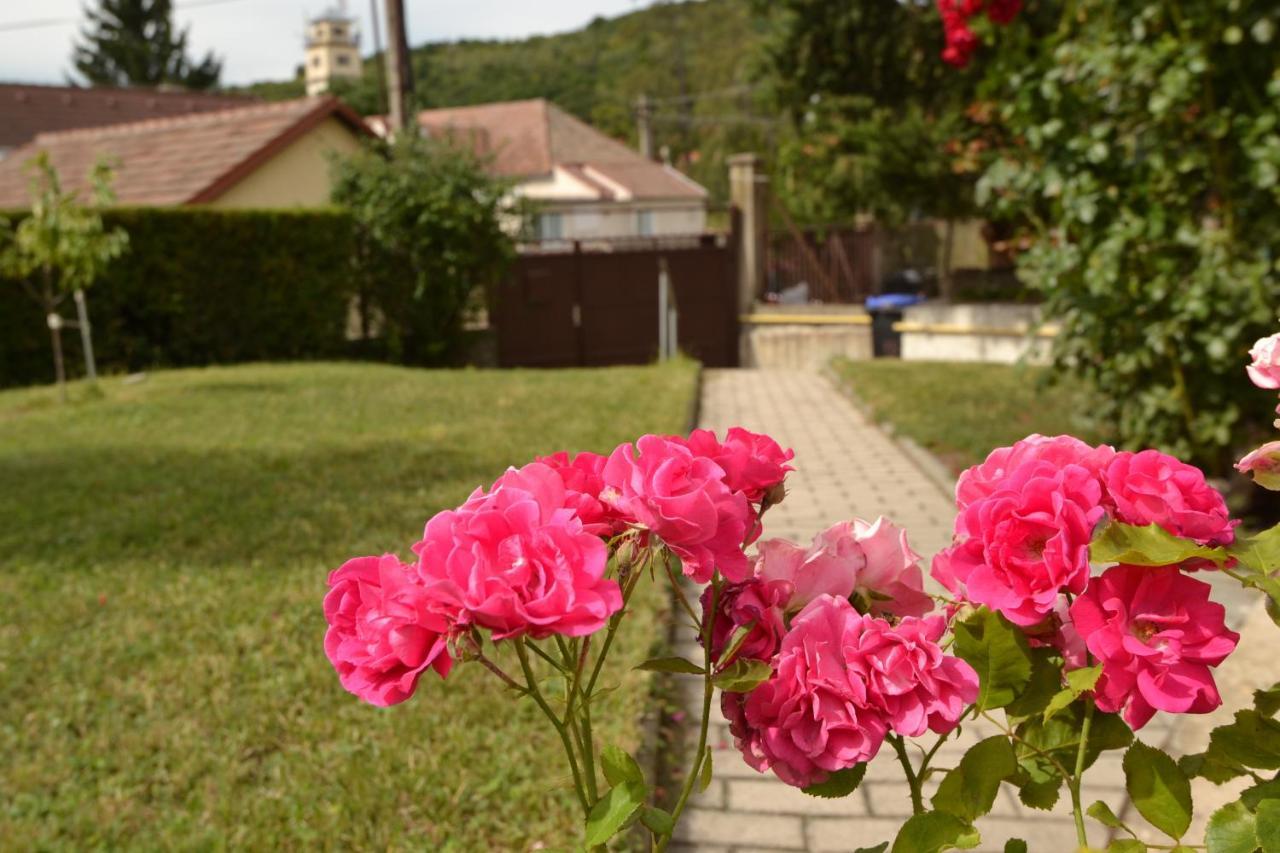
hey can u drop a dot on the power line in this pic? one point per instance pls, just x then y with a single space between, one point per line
39 23
710 93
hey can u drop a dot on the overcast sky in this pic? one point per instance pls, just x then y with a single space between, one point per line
262 39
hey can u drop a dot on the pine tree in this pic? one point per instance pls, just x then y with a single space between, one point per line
133 43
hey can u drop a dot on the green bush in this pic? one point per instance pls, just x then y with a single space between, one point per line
200 286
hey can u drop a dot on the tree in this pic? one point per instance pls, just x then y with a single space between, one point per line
430 238
133 43
60 248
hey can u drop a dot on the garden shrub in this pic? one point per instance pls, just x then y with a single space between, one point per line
201 286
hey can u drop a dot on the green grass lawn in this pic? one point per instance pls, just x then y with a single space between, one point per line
961 411
164 552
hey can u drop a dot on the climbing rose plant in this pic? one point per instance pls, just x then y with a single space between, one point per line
1076 610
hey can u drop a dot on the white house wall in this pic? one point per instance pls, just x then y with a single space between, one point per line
616 219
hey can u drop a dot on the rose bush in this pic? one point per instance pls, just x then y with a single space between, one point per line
1072 618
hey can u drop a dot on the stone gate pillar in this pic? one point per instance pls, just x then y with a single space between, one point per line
749 193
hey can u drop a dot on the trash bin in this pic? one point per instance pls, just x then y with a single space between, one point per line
885 310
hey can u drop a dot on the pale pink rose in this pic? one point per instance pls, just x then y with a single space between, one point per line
1028 541
1155 488
1265 369
917 687
1156 634
382 632
815 715
583 477
891 580
517 560
1263 465
981 480
682 499
753 463
758 607
829 566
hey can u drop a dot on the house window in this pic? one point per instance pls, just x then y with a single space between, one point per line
315 62
338 32
343 59
551 226
644 223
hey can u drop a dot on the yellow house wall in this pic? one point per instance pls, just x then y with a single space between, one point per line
298 176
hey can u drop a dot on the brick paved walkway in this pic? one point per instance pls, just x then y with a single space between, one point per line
845 467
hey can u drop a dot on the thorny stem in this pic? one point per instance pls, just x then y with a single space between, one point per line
533 691
917 800
616 619
684 602
1074 782
497 670
700 756
581 736
1009 733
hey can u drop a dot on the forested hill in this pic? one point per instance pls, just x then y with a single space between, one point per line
697 59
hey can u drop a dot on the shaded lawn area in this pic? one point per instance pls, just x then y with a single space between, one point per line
165 550
961 411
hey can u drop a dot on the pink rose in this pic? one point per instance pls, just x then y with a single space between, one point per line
756 606
829 566
1154 488
518 560
891 581
1026 542
682 499
1156 634
752 463
815 715
382 634
1265 369
1264 465
981 480
583 477
1003 11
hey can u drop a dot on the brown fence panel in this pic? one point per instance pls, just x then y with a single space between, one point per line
836 262
535 313
619 307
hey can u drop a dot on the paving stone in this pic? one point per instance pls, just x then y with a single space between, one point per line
732 828
845 834
768 796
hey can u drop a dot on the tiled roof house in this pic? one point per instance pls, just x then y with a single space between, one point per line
587 184
249 155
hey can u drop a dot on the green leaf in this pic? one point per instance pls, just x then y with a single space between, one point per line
1267 700
1083 680
1126 845
1255 794
1046 679
842 783
932 832
1252 740
671 665
879 848
1042 795
1212 766
969 789
1102 813
1148 545
1268 826
1231 830
742 675
613 810
998 652
658 821
1159 790
1260 553
1060 700
704 779
1015 845
619 766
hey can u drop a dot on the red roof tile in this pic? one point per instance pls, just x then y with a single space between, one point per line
27 110
528 138
180 160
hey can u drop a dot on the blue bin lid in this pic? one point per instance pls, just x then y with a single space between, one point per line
892 300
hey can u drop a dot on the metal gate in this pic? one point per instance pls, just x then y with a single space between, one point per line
597 304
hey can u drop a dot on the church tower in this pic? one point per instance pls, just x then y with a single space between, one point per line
333 49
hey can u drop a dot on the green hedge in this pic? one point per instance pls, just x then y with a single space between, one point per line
199 286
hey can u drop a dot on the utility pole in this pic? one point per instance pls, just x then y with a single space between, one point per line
644 127
399 73
379 58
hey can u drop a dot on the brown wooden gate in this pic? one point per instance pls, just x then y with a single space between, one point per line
593 306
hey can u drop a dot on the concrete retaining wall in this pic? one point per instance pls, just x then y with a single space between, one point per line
993 332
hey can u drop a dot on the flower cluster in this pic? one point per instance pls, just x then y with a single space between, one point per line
853 657
961 41
529 556
1027 517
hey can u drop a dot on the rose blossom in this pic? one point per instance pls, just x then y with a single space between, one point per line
1026 542
1155 488
382 635
842 681
517 560
583 477
1264 465
757 606
891 580
1265 369
682 499
753 463
1156 634
981 480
